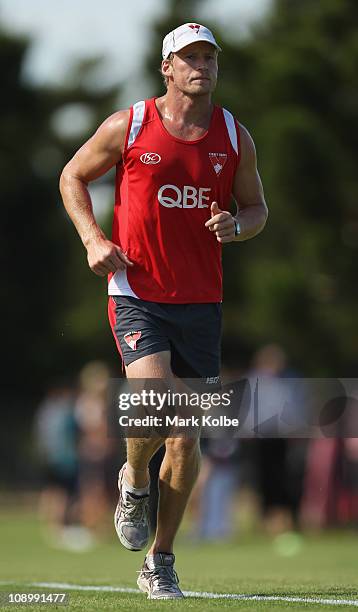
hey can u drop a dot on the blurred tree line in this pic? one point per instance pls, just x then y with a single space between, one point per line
51 302
50 298
293 83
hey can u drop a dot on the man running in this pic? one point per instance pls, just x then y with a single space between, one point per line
179 161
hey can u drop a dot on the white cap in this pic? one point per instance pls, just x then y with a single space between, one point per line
185 35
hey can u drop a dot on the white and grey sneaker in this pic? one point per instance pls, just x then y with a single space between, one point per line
158 577
131 518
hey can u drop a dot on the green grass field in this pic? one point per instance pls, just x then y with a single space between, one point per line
323 567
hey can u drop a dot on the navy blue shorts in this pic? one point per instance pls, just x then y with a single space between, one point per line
191 332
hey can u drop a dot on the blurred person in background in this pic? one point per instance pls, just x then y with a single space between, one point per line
330 492
217 485
279 460
347 507
56 436
179 160
97 452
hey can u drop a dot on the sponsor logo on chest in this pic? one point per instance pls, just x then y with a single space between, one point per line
172 196
218 160
150 158
188 196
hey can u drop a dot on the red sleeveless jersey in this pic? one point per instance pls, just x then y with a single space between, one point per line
164 190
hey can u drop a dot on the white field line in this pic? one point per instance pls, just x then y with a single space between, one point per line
200 594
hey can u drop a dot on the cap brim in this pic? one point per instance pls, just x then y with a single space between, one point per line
199 39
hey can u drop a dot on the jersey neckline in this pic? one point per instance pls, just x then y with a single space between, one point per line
181 140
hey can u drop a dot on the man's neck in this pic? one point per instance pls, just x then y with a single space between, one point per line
177 107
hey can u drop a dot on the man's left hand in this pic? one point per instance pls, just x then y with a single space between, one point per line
222 223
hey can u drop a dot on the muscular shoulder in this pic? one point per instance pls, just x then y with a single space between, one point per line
102 151
111 134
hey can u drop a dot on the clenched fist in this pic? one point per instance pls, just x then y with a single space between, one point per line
222 223
104 256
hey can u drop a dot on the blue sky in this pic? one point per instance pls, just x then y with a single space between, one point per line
67 29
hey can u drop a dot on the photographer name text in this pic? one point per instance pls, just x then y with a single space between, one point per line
204 420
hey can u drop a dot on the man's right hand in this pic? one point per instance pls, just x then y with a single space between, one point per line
104 256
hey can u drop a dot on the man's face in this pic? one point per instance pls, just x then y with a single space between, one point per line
193 69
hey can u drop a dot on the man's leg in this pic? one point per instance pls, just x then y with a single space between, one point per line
131 517
139 453
177 476
178 473
180 466
141 450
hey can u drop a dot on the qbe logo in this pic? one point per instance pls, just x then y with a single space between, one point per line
150 158
171 196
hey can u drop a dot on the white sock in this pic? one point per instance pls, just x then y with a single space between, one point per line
127 488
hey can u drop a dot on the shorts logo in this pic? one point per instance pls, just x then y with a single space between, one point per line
218 161
150 158
132 338
212 380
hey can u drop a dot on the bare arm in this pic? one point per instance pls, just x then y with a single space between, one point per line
248 192
92 160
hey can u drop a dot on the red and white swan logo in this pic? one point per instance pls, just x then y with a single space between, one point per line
195 26
150 158
132 338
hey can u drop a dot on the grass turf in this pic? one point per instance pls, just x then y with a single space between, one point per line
318 566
